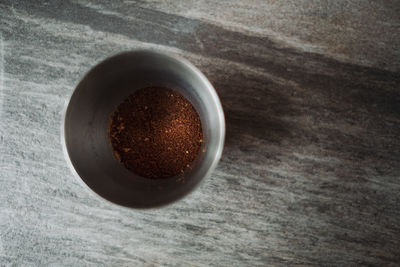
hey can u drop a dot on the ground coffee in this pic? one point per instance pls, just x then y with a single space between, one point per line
156 133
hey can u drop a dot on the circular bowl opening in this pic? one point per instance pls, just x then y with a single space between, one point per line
98 94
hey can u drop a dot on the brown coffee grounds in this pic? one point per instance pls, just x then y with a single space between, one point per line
156 133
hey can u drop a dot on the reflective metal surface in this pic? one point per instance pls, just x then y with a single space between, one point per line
95 98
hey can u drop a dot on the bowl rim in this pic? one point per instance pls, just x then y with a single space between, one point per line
220 114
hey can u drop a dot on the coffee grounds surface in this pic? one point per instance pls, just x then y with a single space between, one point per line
156 133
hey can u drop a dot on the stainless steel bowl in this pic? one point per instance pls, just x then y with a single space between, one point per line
87 116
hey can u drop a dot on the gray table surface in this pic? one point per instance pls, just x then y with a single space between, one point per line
310 173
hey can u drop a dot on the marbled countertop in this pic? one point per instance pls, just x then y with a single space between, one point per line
310 173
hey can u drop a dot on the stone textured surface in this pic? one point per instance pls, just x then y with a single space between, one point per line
310 174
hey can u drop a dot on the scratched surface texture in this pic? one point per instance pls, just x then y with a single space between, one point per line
310 173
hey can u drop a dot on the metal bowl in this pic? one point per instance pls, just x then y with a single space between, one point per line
85 136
